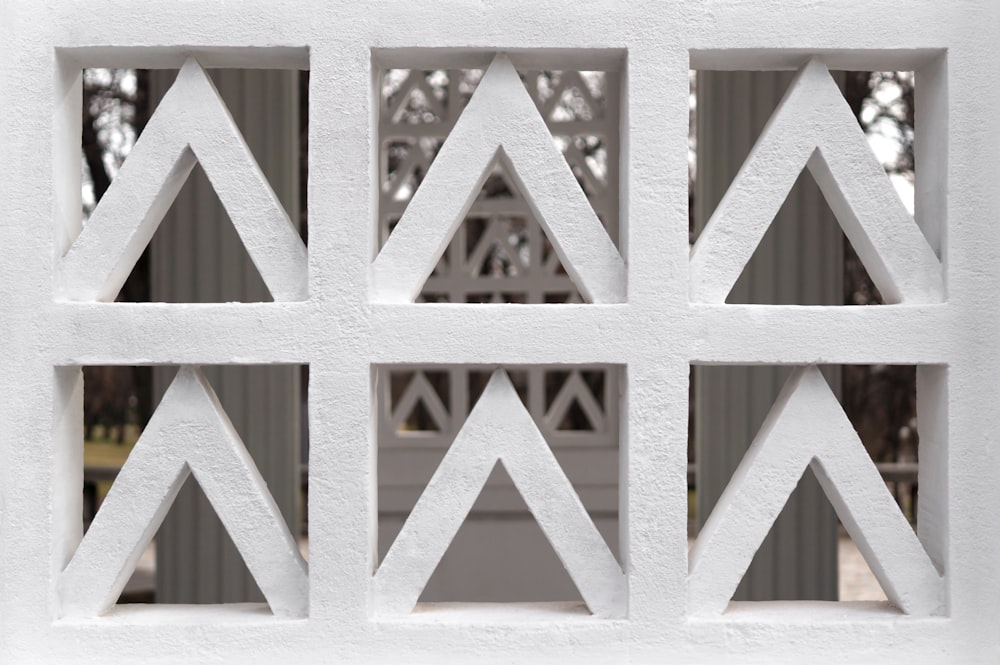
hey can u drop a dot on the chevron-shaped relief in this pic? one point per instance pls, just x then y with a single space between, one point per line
190 126
813 127
501 123
808 428
189 433
499 430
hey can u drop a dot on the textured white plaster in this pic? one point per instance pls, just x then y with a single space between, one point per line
655 331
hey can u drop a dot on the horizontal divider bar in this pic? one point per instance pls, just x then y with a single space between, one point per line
163 333
884 334
303 332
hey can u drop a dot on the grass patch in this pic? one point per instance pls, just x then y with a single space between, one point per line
105 453
102 451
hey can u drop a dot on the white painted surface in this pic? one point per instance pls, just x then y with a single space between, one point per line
498 253
656 333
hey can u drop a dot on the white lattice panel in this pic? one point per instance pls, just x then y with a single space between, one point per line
499 252
346 305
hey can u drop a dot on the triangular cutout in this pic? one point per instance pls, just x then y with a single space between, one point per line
856 582
808 428
420 419
793 264
190 125
846 575
499 428
191 586
498 185
501 122
500 560
415 94
565 96
813 127
575 407
189 433
419 407
500 253
208 263
575 419
775 572
782 579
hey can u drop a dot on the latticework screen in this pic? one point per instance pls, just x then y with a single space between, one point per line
498 264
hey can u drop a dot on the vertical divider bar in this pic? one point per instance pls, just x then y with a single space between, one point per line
930 138
932 423
343 194
615 382
67 452
33 538
68 199
968 204
67 382
654 219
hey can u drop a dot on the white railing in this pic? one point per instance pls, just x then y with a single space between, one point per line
653 307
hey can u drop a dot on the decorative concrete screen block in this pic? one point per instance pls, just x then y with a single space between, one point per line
499 429
788 442
191 125
188 433
501 123
654 306
814 128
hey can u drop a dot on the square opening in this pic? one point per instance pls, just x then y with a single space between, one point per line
191 185
793 241
750 423
192 477
435 430
500 248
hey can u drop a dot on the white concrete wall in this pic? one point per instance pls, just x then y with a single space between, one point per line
658 307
